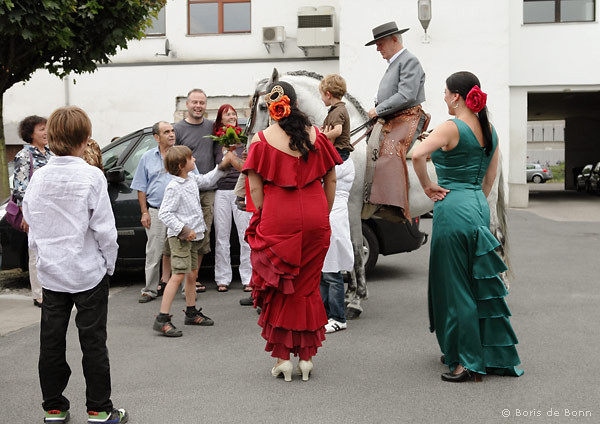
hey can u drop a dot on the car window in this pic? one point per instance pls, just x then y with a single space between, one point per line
148 142
597 167
111 155
530 166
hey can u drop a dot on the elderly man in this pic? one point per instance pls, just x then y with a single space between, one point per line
398 105
403 84
150 181
191 132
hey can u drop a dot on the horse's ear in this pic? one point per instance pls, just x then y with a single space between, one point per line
275 75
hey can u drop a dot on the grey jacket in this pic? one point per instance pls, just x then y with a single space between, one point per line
402 85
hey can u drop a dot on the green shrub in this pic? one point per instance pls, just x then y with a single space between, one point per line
558 172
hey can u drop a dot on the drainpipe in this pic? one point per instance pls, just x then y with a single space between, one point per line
67 91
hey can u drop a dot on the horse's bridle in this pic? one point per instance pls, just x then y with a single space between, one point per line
253 106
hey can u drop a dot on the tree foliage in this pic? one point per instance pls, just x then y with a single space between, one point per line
63 36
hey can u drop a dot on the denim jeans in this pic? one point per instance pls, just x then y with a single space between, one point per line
54 372
332 293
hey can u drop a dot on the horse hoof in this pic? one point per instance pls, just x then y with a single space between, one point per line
352 313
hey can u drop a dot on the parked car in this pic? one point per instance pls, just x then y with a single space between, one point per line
582 183
537 174
120 159
594 180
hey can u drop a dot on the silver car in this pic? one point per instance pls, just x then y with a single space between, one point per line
537 174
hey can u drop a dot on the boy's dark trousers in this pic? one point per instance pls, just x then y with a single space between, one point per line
92 311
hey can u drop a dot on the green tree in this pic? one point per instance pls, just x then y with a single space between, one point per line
63 36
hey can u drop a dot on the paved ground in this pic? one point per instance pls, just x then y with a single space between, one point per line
384 369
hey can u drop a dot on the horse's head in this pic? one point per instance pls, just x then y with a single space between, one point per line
259 112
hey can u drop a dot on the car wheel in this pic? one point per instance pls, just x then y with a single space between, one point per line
370 248
536 179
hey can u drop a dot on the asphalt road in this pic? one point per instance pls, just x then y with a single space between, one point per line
383 369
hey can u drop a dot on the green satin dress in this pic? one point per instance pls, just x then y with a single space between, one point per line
467 310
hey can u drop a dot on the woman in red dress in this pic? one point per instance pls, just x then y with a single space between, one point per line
290 167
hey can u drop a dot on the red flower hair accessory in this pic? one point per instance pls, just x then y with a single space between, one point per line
476 99
281 108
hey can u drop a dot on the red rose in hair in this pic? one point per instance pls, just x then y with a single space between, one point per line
476 99
280 109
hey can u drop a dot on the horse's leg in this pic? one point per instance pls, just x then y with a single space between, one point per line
357 287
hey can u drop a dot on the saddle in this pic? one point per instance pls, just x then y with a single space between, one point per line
386 176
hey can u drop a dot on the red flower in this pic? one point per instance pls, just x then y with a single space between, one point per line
476 99
220 133
238 130
280 109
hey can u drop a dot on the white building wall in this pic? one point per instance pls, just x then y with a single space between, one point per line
553 54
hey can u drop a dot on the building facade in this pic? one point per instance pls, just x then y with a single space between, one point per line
529 56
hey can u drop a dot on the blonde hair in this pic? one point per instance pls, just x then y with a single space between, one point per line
335 84
93 154
176 158
68 127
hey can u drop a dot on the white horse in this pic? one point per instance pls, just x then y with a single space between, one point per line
306 85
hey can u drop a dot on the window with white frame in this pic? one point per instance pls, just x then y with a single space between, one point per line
157 27
218 16
545 11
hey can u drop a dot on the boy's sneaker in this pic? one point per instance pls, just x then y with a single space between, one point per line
333 326
56 416
198 319
113 417
166 328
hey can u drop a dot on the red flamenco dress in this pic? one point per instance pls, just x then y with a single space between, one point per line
289 238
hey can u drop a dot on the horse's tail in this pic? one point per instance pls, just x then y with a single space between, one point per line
503 228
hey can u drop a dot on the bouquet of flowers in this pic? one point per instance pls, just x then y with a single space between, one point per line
229 136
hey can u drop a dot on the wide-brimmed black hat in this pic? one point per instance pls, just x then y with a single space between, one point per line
384 30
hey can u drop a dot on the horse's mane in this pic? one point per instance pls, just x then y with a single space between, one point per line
347 96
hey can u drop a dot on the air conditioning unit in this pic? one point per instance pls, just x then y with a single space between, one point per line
315 27
273 34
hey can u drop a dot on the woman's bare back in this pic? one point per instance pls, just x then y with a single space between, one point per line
278 138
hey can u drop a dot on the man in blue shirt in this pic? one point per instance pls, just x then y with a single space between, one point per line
150 181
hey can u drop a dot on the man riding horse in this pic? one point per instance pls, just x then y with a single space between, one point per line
398 107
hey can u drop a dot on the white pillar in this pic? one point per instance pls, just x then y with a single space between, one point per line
518 192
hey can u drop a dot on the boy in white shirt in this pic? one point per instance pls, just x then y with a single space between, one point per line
181 212
72 229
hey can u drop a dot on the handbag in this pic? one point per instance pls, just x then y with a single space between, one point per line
14 215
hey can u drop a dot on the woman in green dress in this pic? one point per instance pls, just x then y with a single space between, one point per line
467 310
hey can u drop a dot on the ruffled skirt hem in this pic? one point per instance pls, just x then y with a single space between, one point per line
496 353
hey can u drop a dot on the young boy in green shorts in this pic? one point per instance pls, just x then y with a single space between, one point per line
181 213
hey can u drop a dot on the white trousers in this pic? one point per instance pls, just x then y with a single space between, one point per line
225 210
36 287
157 235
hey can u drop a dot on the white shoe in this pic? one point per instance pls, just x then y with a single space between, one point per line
334 326
304 369
285 368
